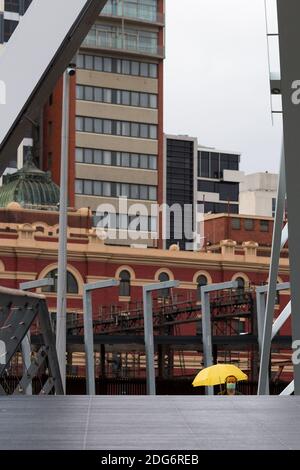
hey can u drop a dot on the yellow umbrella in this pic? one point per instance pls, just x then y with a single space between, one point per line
217 374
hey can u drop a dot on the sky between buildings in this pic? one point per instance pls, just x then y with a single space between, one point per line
217 79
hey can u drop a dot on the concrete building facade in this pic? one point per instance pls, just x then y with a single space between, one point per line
206 178
118 118
258 193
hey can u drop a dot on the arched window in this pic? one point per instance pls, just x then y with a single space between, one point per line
125 284
201 281
241 284
164 293
72 285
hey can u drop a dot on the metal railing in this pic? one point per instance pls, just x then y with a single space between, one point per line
134 11
104 39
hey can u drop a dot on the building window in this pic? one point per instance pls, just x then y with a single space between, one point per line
72 285
119 97
164 293
274 200
236 224
113 37
112 127
125 284
110 189
264 225
201 281
249 224
119 66
241 284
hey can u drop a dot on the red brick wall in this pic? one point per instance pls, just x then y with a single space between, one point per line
52 136
221 229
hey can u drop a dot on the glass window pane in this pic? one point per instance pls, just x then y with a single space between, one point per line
99 64
144 69
89 62
106 189
125 98
135 160
107 126
134 191
79 124
98 126
119 97
125 159
88 156
126 129
153 162
126 67
153 70
88 187
144 161
153 132
118 159
98 157
107 64
79 92
97 188
106 157
144 192
118 128
153 101
144 131
125 190
152 193
135 99
135 68
144 100
79 155
88 125
78 186
204 164
107 95
135 130
89 93
98 94
80 61
119 66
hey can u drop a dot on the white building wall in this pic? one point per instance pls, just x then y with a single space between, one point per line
256 194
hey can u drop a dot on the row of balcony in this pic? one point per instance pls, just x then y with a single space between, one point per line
145 11
124 41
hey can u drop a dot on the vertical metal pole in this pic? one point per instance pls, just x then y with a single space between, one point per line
149 341
261 311
289 38
63 224
26 354
271 296
89 342
206 335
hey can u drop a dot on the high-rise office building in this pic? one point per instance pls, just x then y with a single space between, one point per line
198 178
11 11
117 115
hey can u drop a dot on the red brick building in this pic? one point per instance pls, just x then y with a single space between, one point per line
29 244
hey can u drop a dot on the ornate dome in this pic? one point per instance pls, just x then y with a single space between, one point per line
30 187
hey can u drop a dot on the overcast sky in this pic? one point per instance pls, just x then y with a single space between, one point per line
217 79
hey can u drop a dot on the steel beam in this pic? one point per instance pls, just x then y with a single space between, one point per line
89 332
148 329
68 23
289 38
206 322
271 295
26 343
261 315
